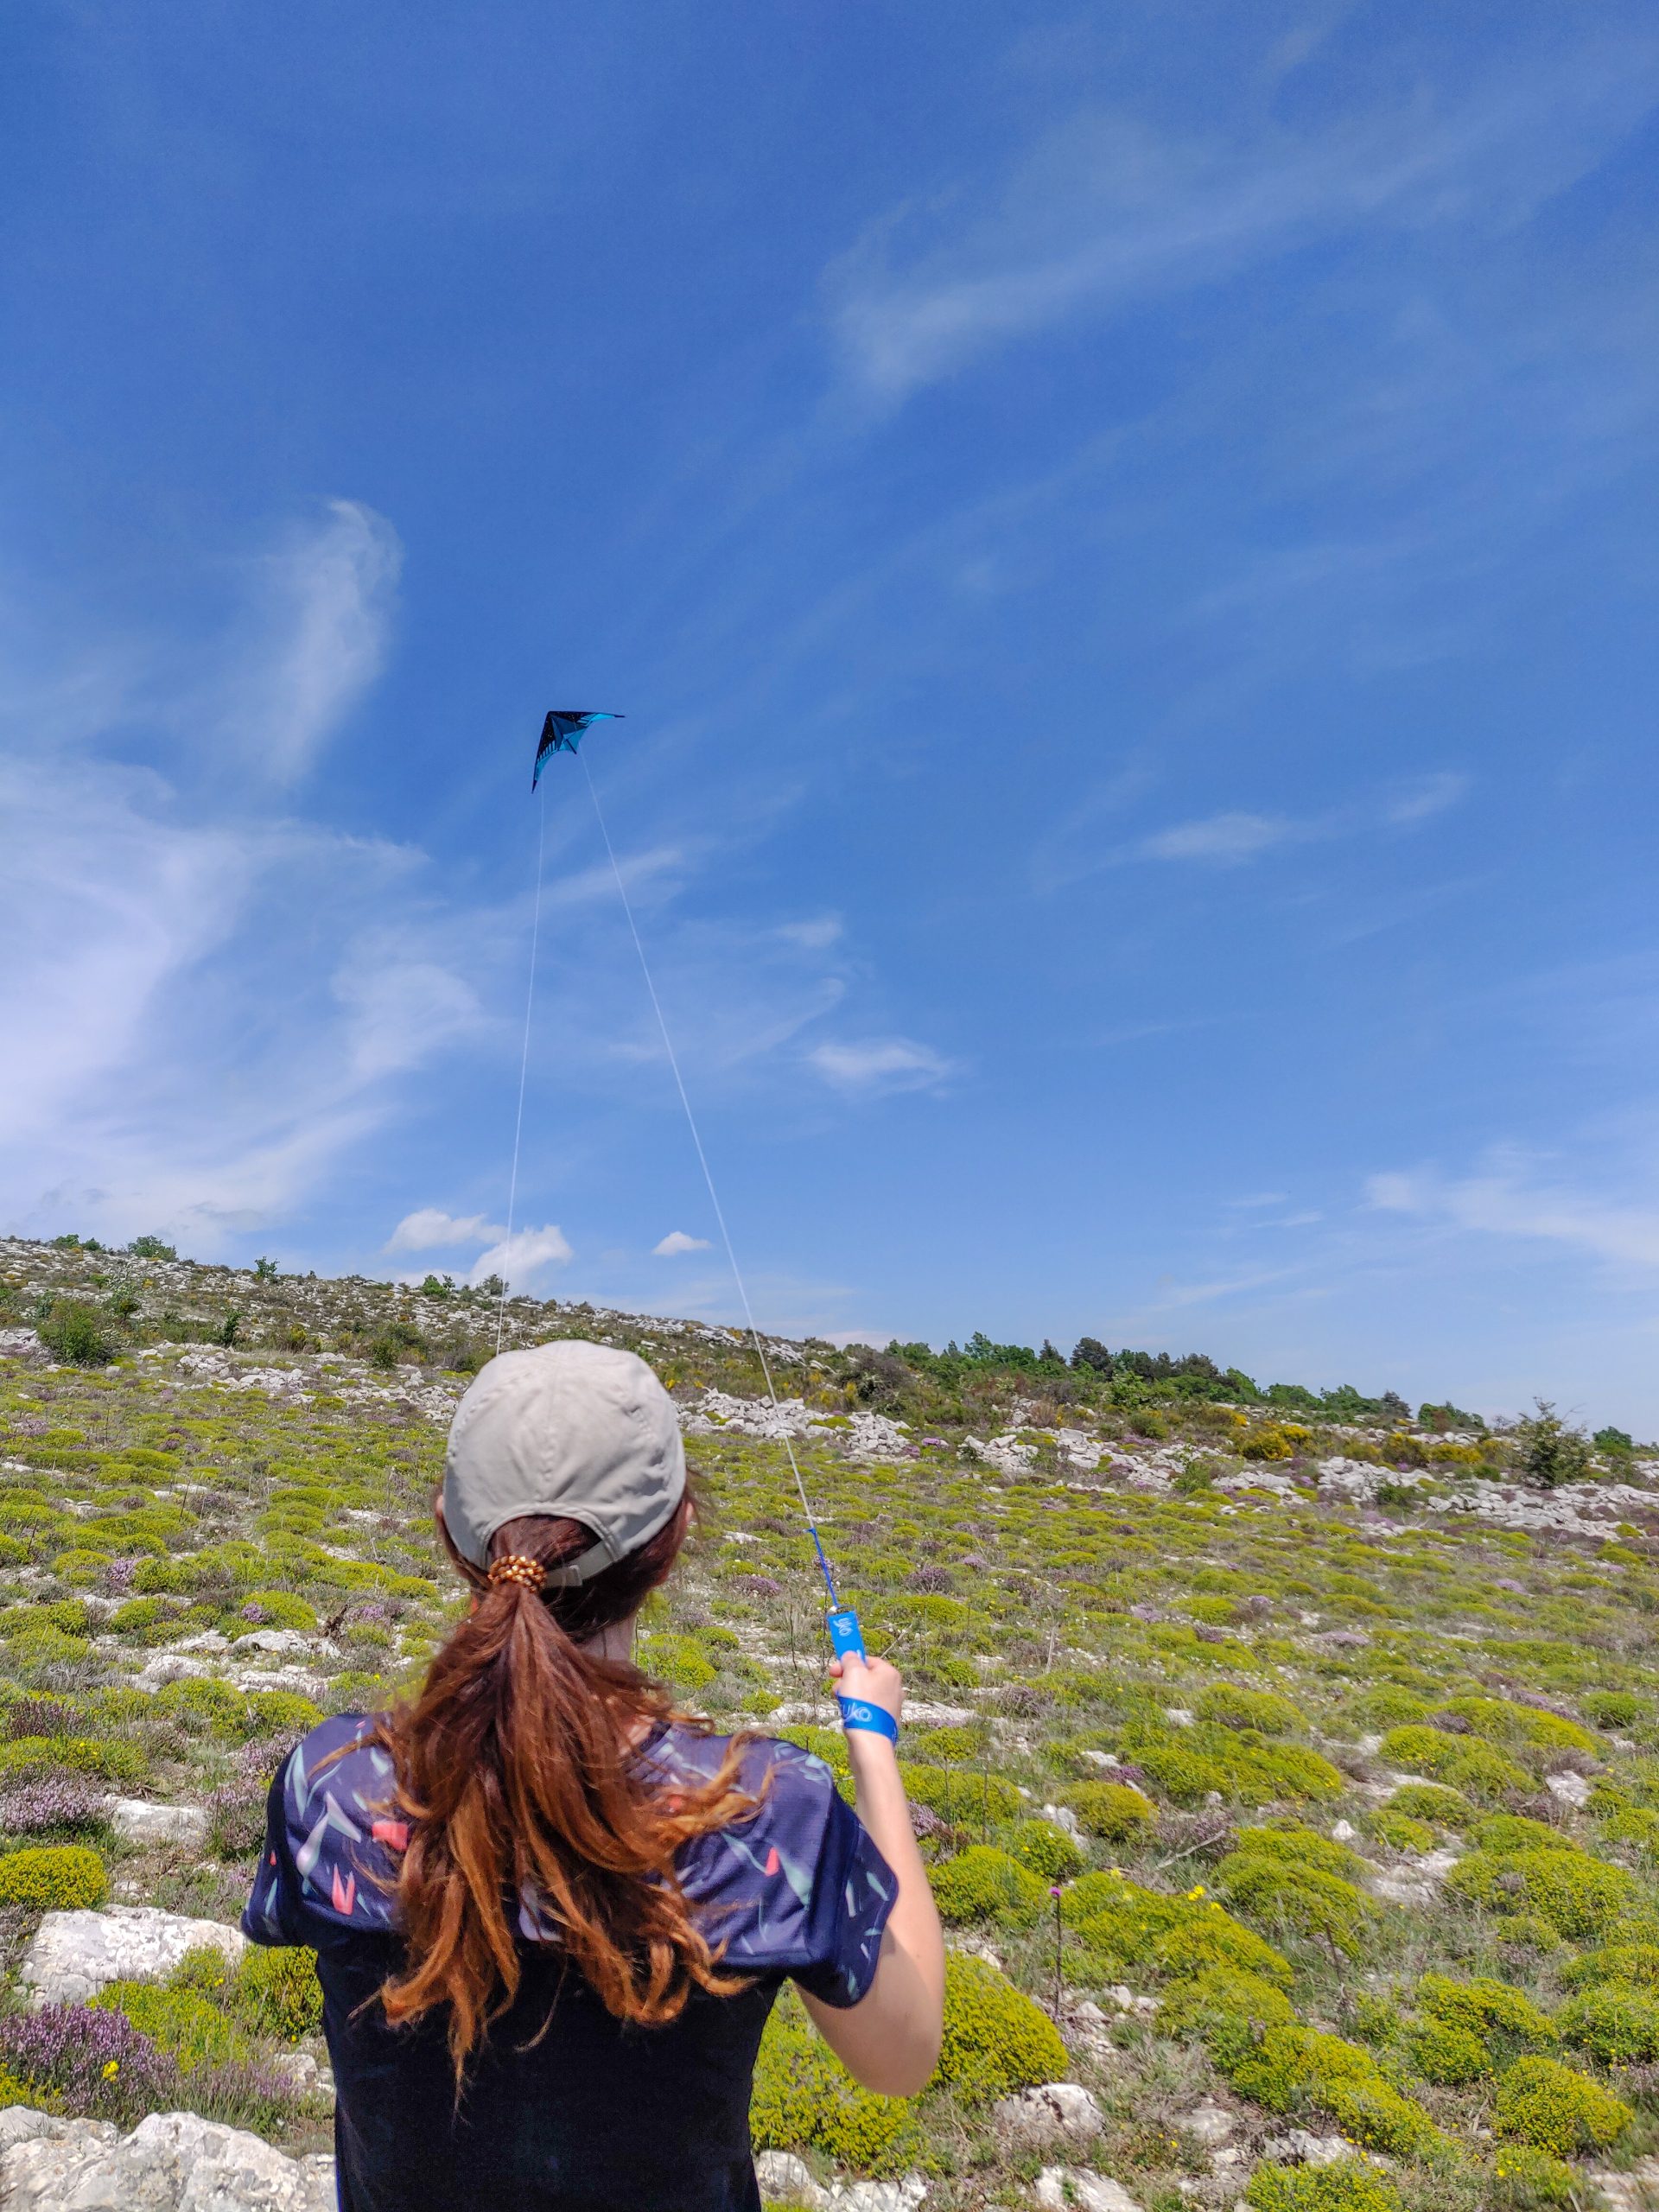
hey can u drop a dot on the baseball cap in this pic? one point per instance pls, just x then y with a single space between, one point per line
575 1430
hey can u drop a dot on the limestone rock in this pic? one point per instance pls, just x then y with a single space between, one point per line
172 2161
1635 2191
1063 2188
1059 2112
1211 2123
1300 2148
1571 1788
140 1821
785 2179
878 2195
165 1667
74 1953
1416 1884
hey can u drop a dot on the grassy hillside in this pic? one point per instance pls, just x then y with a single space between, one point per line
1336 1733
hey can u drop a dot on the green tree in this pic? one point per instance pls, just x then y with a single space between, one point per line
151 1248
1551 1451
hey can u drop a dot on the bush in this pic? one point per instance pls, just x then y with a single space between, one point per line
1301 1897
271 1992
1615 2022
1636 1962
1292 2067
1126 1928
1235 1706
1584 1898
191 2030
1525 2180
75 1333
1047 1850
1224 2010
1348 2186
1548 2105
1433 1801
28 1755
1497 1721
94 2064
1549 1452
1461 1761
805 2100
995 2039
274 1609
62 1804
1446 2054
53 1878
1484 2008
983 1883
1616 1709
1399 1831
1114 1811
960 1797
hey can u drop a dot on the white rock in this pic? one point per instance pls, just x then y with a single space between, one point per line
1343 1832
1569 1788
902 2196
1178 1716
785 2179
1300 2148
165 1667
74 1953
1063 2188
1130 2001
210 1641
1211 2123
1418 1883
140 1821
1059 2112
1063 1817
22 2123
292 1641
1635 2191
172 2161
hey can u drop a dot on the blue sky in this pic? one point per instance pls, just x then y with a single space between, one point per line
1125 542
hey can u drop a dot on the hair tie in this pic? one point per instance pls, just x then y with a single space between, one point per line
516 1566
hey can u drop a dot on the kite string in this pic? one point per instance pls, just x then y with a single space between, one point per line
707 1176
523 1068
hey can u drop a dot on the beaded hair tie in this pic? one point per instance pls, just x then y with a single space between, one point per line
514 1567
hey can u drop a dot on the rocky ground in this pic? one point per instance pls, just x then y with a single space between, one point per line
1292 1788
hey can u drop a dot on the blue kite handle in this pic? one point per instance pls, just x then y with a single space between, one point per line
845 1633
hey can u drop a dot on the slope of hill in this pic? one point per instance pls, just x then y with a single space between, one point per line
1290 1772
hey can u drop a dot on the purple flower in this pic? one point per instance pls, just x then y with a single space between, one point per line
98 2062
57 1800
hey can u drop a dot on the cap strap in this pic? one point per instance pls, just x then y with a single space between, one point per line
518 1567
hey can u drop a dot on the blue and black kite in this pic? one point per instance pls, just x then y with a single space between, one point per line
564 729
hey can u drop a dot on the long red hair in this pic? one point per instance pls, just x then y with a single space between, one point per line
517 1775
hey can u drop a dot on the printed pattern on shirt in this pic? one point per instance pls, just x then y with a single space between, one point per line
798 1888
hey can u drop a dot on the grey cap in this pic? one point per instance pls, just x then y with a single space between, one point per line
573 1430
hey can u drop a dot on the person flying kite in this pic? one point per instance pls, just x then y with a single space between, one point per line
564 730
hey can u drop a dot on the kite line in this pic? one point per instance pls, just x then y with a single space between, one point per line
709 1180
524 1070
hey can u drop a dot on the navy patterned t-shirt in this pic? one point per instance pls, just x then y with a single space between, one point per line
567 2109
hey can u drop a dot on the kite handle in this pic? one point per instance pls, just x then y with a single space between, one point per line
845 1634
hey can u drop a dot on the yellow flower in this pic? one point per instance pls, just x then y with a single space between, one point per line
111 2069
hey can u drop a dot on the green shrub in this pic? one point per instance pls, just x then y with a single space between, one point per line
1225 2010
1462 1762
1348 2186
1293 2067
1497 1721
80 1568
1515 1832
1525 2180
805 2100
280 1713
26 1756
1237 1706
265 1993
983 1883
1636 1962
952 1746
1444 2053
1126 1928
75 1332
1115 1812
1433 1802
54 1878
1614 2021
1584 1898
995 2039
1291 1876
1386 1707
187 2025
1616 1709
282 1609
1048 1852
1548 2105
964 1797
1399 1831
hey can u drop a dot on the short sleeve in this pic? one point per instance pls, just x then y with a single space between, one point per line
854 1893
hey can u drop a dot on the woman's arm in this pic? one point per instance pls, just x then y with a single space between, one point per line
890 2039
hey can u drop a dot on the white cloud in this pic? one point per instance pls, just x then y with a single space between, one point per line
1224 838
331 594
1512 1199
813 936
676 1241
880 1063
1103 213
1228 839
428 1229
521 1257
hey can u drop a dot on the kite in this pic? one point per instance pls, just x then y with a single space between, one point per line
564 730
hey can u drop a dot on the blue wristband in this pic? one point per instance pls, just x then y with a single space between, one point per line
856 1712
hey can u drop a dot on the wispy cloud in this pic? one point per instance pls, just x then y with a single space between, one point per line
329 597
677 1242
428 1229
877 1065
1516 1197
1228 839
524 1255
1103 213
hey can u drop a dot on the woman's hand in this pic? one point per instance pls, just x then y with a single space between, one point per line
878 1682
